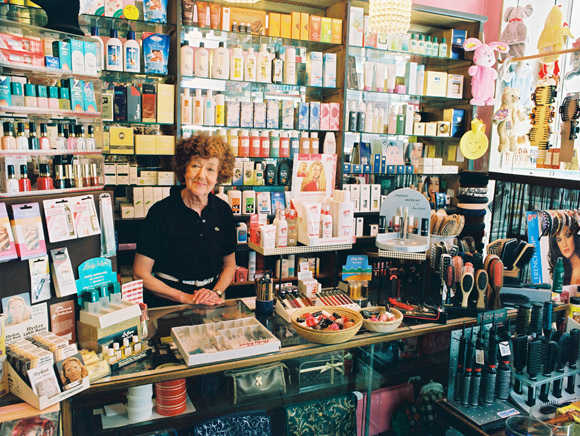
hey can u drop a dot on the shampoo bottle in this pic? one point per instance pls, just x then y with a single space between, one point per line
290 66
114 53
282 231
186 112
235 201
237 64
220 68
329 143
221 194
277 69
264 65
132 54
258 175
198 108
100 48
209 114
220 110
242 233
201 64
186 60
249 202
250 68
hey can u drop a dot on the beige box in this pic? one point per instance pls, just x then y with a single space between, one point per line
375 198
443 128
127 211
110 169
157 194
133 174
110 179
122 179
147 198
166 192
419 129
140 211
165 103
138 197
165 144
365 198
166 178
122 168
355 196
455 86
430 129
145 144
435 84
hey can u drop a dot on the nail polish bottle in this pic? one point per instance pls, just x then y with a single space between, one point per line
93 175
33 143
92 305
60 140
127 349
8 140
111 358
24 182
80 135
12 183
91 142
136 344
78 176
30 95
43 141
44 181
68 176
21 140
86 175
59 182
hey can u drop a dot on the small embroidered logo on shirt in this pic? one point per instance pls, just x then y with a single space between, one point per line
217 229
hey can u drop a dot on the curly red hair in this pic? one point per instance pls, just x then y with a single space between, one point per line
205 147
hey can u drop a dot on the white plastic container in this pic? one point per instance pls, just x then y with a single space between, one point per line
201 61
140 414
132 54
237 64
235 201
251 66
209 109
249 202
290 66
114 49
264 73
198 108
186 107
220 67
186 60
282 231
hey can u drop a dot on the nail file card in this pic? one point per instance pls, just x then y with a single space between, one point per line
59 220
7 244
28 231
108 226
86 220
39 279
62 271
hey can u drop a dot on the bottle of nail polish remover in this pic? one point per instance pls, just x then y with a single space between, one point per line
43 141
21 140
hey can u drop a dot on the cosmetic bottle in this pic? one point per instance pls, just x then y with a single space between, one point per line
326 223
53 101
413 44
94 176
8 141
44 181
235 201
92 305
234 141
244 147
186 60
428 46
235 27
24 182
116 347
86 175
369 119
17 94
242 233
284 144
283 173
115 293
63 99
294 144
258 175
136 344
314 143
100 48
421 46
435 47
376 121
352 117
30 95
264 65
11 183
127 349
220 110
255 143
198 108
304 143
250 68
277 69
201 64
114 50
249 202
209 114
237 64
282 231
132 53
78 176
71 140
33 143
105 300
392 126
329 146
21 140
42 97
80 136
186 102
290 66
60 140
264 144
360 117
443 48
59 181
274 144
220 68
68 176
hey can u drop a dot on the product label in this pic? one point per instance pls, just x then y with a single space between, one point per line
132 59
249 206
277 72
237 68
251 70
219 115
219 63
264 69
114 55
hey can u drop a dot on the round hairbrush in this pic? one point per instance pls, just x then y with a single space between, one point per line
495 273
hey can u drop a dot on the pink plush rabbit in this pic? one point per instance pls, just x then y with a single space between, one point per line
482 73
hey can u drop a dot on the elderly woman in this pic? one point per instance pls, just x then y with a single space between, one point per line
186 253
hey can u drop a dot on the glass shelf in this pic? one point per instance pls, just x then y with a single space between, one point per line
136 123
33 30
211 38
400 174
432 61
361 94
126 77
107 23
49 152
5 111
55 73
23 14
52 191
206 127
442 138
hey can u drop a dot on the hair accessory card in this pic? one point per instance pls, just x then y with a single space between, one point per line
108 248
62 271
86 220
7 245
28 231
59 220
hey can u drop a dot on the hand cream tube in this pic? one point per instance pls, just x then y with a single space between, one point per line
391 77
369 70
187 6
312 217
268 239
380 77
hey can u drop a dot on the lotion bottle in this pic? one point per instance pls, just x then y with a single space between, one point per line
43 141
264 65
12 181
21 140
329 146
220 68
209 114
186 60
277 69
237 64
219 110
249 202
290 66
132 54
100 48
201 64
198 108
114 53
250 68
235 201
221 194
282 231
8 140
186 103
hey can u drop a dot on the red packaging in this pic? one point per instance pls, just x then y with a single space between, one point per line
172 410
170 383
174 401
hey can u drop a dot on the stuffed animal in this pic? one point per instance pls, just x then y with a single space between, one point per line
515 33
482 73
553 38
523 81
508 117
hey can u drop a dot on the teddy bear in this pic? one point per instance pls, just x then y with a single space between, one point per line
508 118
482 73
515 33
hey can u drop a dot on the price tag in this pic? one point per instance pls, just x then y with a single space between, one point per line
479 357
507 413
131 12
504 349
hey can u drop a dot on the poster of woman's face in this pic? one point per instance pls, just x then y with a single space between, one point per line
393 150
71 371
16 309
567 246
414 153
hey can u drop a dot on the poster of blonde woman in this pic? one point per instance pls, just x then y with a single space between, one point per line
314 174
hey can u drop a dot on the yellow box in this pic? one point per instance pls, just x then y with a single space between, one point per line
145 144
326 29
435 84
315 27
121 140
286 26
304 26
165 103
336 31
165 144
295 25
273 24
256 18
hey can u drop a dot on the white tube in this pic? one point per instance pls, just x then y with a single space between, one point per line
391 77
369 69
380 77
312 216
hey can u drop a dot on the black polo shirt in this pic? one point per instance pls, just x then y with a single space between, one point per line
184 244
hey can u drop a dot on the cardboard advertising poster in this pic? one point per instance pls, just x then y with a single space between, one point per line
313 175
22 319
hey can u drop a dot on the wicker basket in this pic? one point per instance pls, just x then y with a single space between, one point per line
328 336
383 326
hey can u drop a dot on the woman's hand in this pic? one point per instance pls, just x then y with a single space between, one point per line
206 297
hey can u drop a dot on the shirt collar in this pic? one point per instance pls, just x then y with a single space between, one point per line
175 193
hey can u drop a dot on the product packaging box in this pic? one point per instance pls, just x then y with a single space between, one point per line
149 103
157 193
304 26
51 62
165 178
61 50
287 114
247 114
435 84
165 144
145 144
455 39
134 103
233 113
28 231
336 31
77 53
334 116
431 129
355 196
443 128
121 140
314 115
259 115
329 65
419 129
120 103
303 116
225 19
248 173
113 8
455 86
90 50
295 16
273 114
148 197
411 78
315 27
326 29
286 26
325 116
77 101
90 103
165 103
95 7
356 29
274 24
5 94
375 198
314 68
238 177
457 119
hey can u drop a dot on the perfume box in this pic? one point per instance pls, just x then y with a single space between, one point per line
329 65
325 116
334 116
77 54
120 104
273 114
314 115
314 68
165 103
233 113
148 103
259 115
134 103
303 116
246 114
287 114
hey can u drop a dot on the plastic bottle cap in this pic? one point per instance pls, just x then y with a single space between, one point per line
130 35
185 43
7 127
113 33
201 44
94 31
222 44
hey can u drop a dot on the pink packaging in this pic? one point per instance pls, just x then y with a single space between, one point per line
28 230
334 116
7 244
325 116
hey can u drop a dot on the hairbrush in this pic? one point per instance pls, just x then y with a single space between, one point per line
477 261
495 273
534 358
574 348
536 321
508 253
563 352
466 286
547 316
449 280
511 300
453 250
470 244
458 266
523 319
468 267
525 256
520 345
496 247
481 282
488 259
444 263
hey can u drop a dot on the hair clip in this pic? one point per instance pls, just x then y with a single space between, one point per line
539 134
570 107
544 95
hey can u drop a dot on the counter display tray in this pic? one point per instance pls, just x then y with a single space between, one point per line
224 340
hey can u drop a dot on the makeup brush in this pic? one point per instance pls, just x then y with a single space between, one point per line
481 282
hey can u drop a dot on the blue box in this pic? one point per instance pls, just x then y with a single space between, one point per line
314 115
377 163
457 40
77 101
356 169
303 116
391 169
457 119
61 50
409 169
367 169
51 62
90 100
383 164
77 54
346 168
5 94
400 169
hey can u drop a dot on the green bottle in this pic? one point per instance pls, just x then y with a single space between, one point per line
558 277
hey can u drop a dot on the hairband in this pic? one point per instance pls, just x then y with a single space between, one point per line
472 206
471 212
465 190
472 199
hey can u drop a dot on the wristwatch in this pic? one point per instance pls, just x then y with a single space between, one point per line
218 292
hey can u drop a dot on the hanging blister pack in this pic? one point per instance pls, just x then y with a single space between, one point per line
108 243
